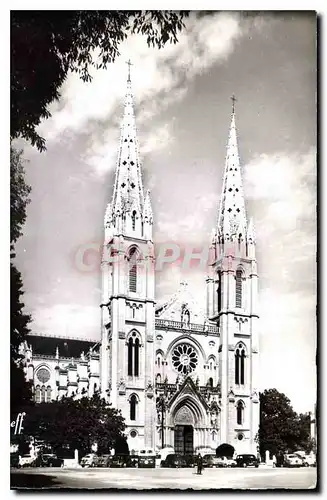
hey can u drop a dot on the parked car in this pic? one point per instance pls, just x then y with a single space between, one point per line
132 461
14 460
229 462
174 461
293 460
190 460
27 461
118 461
309 460
147 462
212 461
48 460
89 460
247 460
103 461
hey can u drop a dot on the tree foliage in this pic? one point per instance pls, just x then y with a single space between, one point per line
281 429
46 45
19 194
19 328
75 424
20 390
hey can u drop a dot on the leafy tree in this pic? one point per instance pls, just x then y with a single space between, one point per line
281 429
225 450
20 390
19 194
19 320
46 45
75 424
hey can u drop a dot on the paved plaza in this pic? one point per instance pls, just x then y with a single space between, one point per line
303 478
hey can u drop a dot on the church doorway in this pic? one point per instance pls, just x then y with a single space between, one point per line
183 439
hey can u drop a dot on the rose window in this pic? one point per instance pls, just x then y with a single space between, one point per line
184 358
43 375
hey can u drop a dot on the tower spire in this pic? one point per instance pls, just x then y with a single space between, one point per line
129 70
232 205
128 194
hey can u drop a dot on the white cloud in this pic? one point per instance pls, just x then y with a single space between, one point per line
70 320
288 345
159 138
282 190
205 41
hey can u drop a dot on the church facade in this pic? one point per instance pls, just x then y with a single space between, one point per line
182 377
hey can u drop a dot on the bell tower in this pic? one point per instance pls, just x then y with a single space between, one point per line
232 293
127 307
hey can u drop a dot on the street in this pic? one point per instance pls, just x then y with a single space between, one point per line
303 478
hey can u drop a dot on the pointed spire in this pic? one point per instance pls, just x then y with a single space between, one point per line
128 189
251 237
213 236
108 214
147 212
232 206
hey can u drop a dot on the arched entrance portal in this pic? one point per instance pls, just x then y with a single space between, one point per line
183 439
184 431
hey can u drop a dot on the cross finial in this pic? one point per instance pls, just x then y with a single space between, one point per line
233 99
129 69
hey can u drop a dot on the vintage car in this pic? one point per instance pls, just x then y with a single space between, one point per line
309 460
212 461
293 460
228 462
48 460
89 460
247 460
27 461
174 461
147 462
103 461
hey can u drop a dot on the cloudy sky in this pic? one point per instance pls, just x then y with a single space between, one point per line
182 96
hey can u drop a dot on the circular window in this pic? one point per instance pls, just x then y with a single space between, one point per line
184 358
133 434
43 375
240 437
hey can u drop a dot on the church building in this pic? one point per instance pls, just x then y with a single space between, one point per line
182 377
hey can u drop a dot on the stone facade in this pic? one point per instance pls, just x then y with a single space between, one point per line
182 377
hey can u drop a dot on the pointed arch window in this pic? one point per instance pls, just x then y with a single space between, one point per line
240 413
136 357
48 393
133 271
133 356
240 365
239 288
130 356
37 394
43 394
133 220
132 407
210 382
158 378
